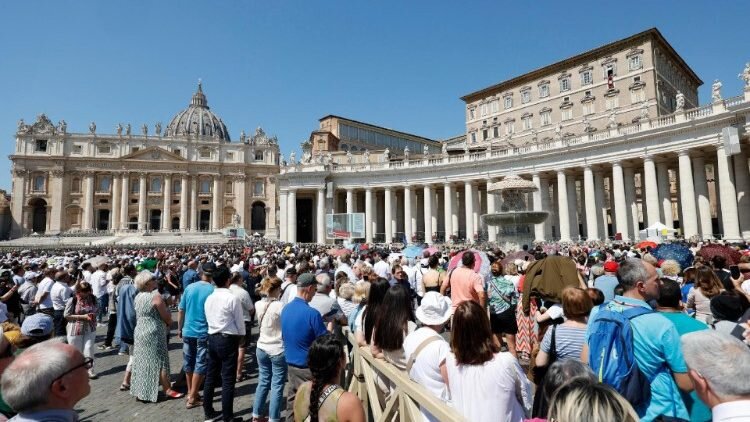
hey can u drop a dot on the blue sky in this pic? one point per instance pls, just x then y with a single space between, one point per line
284 64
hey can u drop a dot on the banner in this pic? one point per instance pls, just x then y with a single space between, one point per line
345 226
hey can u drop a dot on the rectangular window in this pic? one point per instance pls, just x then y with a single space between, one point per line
485 134
527 122
496 131
258 155
134 149
177 151
495 106
485 109
473 136
104 149
508 102
567 113
258 188
526 96
41 145
544 91
546 118
564 84
635 62
638 95
230 156
588 108
587 78
509 128
472 114
135 185
205 153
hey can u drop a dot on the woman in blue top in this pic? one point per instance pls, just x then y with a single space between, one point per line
502 298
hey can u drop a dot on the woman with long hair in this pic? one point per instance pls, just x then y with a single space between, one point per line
322 399
485 384
395 321
368 316
503 299
80 312
585 400
707 285
269 351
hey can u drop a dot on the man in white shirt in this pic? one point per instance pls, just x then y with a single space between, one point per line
248 310
98 282
289 286
42 300
225 327
344 266
719 366
60 293
381 267
27 292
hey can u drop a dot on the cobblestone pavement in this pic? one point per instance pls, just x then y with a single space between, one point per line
107 403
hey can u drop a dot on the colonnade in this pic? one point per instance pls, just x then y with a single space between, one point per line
702 193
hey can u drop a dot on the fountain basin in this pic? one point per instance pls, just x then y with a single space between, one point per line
515 218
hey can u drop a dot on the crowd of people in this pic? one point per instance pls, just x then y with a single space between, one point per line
590 332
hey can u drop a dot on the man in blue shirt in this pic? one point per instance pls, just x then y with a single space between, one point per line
190 275
656 342
192 327
300 326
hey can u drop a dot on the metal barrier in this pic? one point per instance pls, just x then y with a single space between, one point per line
405 398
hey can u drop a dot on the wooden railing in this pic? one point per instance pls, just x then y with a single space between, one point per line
405 398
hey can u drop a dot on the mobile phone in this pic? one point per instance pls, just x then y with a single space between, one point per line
735 271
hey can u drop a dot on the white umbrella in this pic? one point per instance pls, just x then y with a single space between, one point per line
97 260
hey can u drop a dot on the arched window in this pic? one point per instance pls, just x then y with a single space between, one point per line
75 185
155 185
38 184
104 183
205 186
177 186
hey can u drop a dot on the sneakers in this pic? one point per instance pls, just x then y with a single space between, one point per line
92 374
106 348
122 353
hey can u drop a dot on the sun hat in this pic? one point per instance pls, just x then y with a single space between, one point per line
435 309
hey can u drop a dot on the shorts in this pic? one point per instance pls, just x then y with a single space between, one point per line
245 340
195 354
504 322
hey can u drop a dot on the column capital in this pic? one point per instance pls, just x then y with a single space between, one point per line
57 173
683 152
142 175
388 189
368 189
648 157
617 163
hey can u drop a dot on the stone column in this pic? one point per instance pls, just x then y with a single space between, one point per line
20 178
537 204
125 201
448 198
477 207
350 201
665 194
592 228
194 203
428 229
546 206
88 191
562 206
742 178
727 195
388 208
573 207
703 201
620 205
216 205
166 213
368 215
407 214
601 209
56 191
631 202
651 191
320 216
469 203
184 190
283 218
374 214
142 198
239 196
689 222
292 216
492 230
114 215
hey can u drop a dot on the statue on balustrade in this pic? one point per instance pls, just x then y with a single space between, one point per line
367 155
293 158
445 149
406 153
612 123
306 157
127 129
62 126
386 157
92 128
144 129
242 136
745 75
349 158
644 112
716 91
680 100
118 129
425 150
157 128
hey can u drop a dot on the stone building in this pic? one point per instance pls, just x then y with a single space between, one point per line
187 177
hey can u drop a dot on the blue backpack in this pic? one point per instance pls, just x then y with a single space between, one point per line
611 355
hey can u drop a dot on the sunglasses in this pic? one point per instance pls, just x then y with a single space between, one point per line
88 363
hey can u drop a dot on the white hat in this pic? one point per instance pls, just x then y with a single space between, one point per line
435 309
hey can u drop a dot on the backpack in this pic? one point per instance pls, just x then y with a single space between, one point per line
611 355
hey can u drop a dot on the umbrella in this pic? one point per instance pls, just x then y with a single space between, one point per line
97 260
730 254
338 251
511 257
260 253
413 251
431 250
645 244
481 262
677 252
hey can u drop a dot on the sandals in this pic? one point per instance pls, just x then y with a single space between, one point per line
124 387
194 403
173 394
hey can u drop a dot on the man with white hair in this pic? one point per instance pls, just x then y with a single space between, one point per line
719 366
46 381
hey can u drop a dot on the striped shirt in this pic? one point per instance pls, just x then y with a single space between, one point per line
568 341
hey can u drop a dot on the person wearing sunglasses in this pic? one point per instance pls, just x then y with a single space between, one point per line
46 381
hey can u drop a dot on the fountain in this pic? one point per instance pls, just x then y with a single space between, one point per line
514 221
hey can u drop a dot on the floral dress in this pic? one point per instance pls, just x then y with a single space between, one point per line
150 355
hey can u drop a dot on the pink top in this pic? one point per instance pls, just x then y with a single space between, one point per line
465 285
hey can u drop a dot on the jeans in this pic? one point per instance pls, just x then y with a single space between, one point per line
271 375
102 303
111 326
58 321
222 362
195 354
84 343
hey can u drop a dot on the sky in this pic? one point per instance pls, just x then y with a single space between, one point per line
283 65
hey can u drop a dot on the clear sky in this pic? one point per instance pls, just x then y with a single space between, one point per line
284 64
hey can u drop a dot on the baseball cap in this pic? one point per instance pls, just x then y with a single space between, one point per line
37 325
610 266
306 280
209 268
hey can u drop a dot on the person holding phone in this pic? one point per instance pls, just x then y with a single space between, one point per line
80 312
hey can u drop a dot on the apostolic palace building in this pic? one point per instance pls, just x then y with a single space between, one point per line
614 138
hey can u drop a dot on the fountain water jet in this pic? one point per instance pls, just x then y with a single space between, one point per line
514 220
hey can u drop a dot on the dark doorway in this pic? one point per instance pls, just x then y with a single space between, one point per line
155 220
133 223
258 217
103 220
175 223
38 215
304 220
204 222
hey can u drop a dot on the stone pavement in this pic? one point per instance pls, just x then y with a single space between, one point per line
107 403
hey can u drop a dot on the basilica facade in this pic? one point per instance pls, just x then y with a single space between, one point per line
185 177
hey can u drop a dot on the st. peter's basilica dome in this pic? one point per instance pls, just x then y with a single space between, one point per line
198 121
